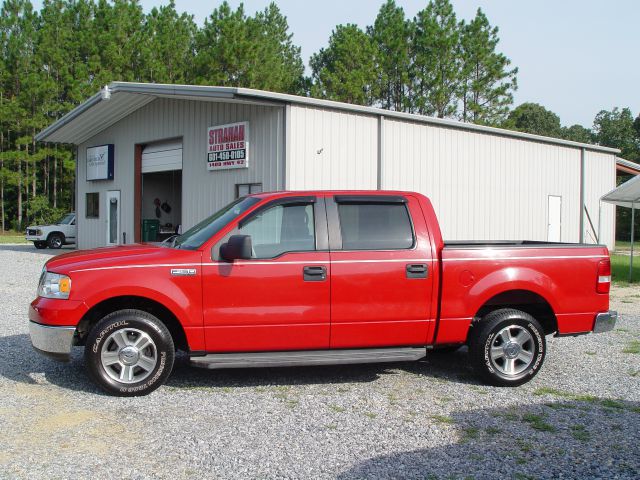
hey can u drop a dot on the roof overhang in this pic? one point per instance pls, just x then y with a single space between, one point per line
626 166
120 99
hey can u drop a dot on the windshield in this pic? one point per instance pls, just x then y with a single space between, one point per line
203 231
67 219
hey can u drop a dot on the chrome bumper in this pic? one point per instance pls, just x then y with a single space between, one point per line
605 321
53 342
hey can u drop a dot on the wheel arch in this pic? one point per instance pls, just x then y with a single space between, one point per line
125 302
524 300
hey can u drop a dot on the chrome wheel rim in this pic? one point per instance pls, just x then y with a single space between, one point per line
129 355
512 350
56 241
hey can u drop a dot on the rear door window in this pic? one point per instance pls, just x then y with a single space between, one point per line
375 226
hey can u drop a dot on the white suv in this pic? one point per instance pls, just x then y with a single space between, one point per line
54 236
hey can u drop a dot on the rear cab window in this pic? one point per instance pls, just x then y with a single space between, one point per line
375 223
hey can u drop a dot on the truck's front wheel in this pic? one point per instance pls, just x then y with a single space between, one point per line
129 353
507 347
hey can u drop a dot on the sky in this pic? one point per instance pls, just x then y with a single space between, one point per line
575 57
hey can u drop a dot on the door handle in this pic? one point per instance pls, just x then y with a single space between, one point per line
417 270
314 274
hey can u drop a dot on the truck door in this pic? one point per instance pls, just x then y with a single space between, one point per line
278 299
381 278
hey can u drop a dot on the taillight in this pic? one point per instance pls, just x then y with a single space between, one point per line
604 276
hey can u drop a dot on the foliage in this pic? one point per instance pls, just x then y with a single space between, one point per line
255 52
616 129
487 82
436 70
577 133
345 70
42 213
391 35
533 118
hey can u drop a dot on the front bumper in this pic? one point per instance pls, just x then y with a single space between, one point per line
53 342
605 321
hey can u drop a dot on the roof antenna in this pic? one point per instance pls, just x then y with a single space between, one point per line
105 93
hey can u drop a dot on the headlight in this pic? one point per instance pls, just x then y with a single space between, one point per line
54 285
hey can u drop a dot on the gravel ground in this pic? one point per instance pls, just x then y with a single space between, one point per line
579 418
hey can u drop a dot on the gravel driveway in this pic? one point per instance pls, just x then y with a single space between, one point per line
579 418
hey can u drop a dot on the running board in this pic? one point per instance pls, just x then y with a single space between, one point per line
310 357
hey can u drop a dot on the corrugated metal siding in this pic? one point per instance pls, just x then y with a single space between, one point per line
203 191
599 179
484 186
331 149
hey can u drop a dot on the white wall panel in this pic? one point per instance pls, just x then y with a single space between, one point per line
203 192
599 179
484 186
331 149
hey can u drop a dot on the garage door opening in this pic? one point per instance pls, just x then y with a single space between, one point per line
161 190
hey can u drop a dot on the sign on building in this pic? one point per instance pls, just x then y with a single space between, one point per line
228 146
100 162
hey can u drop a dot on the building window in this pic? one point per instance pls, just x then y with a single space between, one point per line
93 205
375 226
243 189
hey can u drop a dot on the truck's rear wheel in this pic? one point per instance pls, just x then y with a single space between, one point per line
129 353
507 347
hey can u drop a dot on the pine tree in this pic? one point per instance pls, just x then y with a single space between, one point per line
437 65
391 34
487 82
345 70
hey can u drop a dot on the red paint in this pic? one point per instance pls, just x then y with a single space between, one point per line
366 300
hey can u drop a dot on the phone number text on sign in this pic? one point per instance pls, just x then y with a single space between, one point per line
228 146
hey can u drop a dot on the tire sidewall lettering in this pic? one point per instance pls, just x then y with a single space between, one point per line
108 329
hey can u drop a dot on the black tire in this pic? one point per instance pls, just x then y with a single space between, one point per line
488 342
40 245
124 326
55 240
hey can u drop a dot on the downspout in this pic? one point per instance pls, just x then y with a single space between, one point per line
380 179
582 155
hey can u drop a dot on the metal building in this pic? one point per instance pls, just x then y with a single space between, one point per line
177 153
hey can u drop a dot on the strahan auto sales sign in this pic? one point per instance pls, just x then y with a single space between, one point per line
228 146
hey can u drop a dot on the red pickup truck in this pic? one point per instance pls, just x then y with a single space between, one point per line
315 278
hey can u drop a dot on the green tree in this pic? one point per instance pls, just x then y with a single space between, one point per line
487 82
345 70
533 118
577 133
391 35
437 63
616 129
257 52
168 52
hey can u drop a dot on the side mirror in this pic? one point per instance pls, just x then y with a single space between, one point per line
238 247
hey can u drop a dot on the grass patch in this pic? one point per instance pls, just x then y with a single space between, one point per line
337 408
12 237
443 419
470 433
608 402
537 422
579 432
632 347
620 269
371 415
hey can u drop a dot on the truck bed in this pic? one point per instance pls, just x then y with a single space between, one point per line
513 243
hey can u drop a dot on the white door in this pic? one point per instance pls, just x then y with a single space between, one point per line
113 217
554 215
